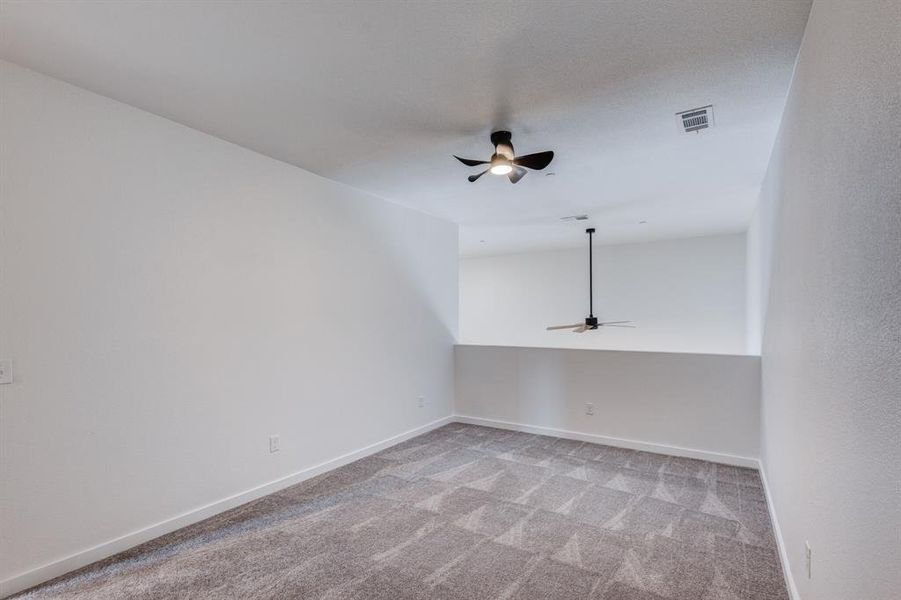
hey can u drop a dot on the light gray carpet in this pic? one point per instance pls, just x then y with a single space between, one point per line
468 513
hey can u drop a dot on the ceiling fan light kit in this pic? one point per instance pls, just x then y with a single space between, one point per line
591 322
500 166
505 162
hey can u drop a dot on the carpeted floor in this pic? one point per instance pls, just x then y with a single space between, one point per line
467 513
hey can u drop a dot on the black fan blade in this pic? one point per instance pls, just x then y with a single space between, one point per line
516 174
536 161
470 162
472 178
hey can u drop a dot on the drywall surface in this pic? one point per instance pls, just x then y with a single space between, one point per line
702 402
684 296
831 366
171 300
754 281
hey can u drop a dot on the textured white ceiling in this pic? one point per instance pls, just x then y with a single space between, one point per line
378 95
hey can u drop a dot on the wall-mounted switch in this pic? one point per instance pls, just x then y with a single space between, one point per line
589 408
420 402
273 443
6 371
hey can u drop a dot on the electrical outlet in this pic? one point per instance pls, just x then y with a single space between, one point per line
807 557
273 443
6 371
420 402
589 408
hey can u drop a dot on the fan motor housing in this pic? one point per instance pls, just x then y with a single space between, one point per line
501 137
503 146
591 322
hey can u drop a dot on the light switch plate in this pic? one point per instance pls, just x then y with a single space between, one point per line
6 371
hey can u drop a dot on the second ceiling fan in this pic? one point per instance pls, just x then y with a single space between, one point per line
591 322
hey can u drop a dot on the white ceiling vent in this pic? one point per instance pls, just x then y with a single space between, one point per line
696 119
575 218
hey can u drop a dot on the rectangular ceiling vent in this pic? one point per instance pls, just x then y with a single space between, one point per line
696 119
575 218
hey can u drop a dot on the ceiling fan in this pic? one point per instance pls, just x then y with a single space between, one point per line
591 322
504 162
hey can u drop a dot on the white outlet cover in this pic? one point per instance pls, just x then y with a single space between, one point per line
589 408
273 443
6 371
420 402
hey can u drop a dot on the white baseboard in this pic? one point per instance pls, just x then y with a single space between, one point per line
728 459
780 543
33 577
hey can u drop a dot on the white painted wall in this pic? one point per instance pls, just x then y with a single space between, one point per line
831 369
666 402
759 257
170 300
754 282
684 295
